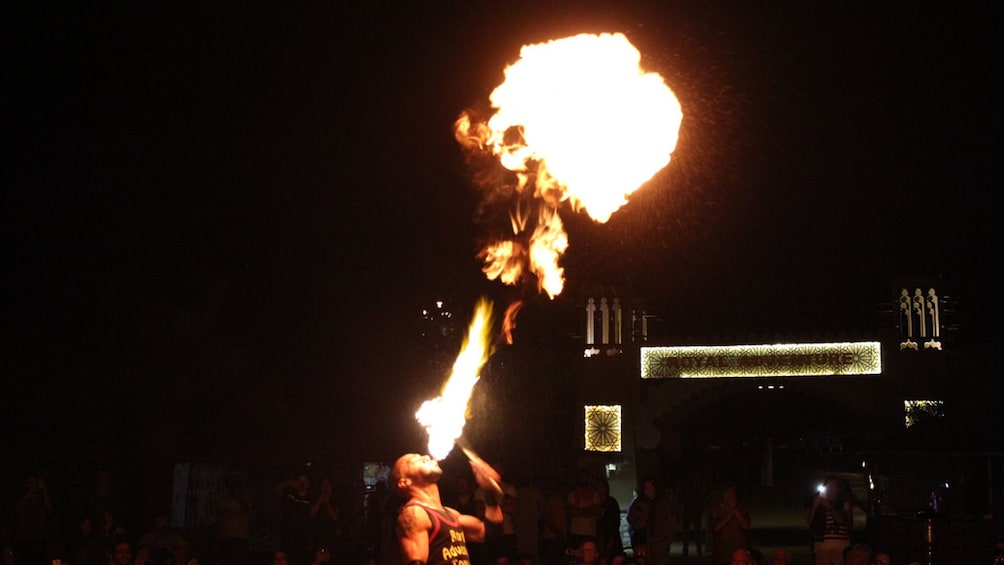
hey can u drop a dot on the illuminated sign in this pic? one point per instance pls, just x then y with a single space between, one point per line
778 360
603 428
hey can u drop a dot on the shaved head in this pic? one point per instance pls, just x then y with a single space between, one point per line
413 468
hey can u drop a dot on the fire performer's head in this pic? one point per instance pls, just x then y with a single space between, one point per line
413 472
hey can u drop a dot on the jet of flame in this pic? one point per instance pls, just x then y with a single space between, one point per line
444 417
578 120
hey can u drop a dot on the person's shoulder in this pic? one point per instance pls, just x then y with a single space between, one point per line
413 517
413 508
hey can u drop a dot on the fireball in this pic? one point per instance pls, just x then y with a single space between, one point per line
578 120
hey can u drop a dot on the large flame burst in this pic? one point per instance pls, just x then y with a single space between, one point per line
444 417
576 119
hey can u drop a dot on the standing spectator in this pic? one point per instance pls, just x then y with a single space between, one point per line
830 520
106 499
85 546
527 516
554 524
294 518
608 527
693 497
233 527
730 525
111 530
388 552
584 509
663 525
31 524
325 513
462 496
638 512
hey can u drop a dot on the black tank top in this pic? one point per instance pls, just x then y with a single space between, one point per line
447 545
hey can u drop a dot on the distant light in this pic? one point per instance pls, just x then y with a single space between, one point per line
915 409
821 488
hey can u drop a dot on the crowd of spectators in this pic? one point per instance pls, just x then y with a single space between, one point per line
319 518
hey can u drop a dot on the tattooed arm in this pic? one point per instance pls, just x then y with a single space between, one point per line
413 526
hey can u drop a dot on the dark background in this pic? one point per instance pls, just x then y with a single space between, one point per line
220 224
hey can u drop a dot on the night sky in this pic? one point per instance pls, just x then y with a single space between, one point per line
221 222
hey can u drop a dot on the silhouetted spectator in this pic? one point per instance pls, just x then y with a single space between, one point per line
528 512
294 518
325 514
608 527
86 547
554 524
233 526
638 513
584 509
31 524
829 518
730 526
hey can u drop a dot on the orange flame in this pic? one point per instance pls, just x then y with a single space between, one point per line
444 417
581 121
509 322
